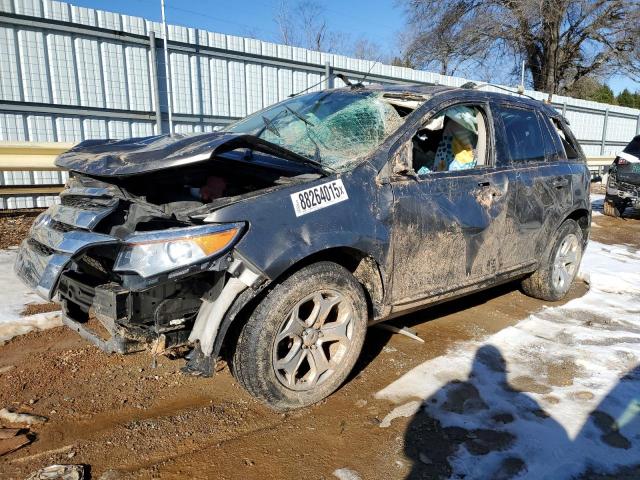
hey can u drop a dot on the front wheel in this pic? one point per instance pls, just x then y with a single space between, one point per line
559 265
302 340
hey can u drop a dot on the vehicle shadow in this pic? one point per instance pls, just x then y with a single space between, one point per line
484 428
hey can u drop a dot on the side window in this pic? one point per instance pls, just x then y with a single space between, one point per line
552 144
567 140
453 139
524 136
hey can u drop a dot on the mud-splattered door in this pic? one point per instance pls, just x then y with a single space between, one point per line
447 226
542 186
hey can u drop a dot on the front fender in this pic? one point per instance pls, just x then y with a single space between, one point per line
278 238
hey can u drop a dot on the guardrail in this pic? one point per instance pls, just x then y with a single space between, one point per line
29 178
599 167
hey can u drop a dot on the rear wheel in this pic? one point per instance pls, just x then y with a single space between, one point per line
613 206
303 339
559 265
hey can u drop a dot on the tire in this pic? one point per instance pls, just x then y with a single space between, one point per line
613 207
551 281
280 360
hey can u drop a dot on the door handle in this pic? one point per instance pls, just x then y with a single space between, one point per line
560 182
484 184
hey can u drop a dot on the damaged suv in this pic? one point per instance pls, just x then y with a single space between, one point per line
623 184
275 243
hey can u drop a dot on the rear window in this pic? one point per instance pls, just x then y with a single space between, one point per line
524 137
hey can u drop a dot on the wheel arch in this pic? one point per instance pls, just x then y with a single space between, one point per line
582 217
367 271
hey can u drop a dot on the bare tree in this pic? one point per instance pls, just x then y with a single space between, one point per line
304 24
285 22
561 41
365 49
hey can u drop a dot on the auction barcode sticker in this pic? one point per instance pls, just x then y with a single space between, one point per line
320 196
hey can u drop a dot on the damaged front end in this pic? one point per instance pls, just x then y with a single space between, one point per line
124 291
130 258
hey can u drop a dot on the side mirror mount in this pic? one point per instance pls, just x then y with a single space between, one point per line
401 162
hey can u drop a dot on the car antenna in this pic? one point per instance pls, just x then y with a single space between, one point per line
306 89
360 84
346 81
342 77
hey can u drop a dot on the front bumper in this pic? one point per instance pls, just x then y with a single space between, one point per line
129 320
60 233
625 191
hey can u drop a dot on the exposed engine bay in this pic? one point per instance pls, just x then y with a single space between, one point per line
135 292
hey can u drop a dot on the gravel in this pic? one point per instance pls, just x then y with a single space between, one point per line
15 226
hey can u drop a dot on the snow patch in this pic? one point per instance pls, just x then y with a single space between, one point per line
597 204
346 474
563 383
14 296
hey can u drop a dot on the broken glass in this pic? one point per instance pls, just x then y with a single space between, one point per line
335 128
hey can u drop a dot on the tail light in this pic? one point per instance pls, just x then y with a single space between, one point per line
622 161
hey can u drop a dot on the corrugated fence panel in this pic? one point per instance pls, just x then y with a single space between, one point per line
57 10
585 126
69 129
620 129
9 78
94 128
40 128
220 80
12 128
237 89
254 87
196 85
181 84
33 65
85 82
62 65
139 84
114 72
91 88
142 129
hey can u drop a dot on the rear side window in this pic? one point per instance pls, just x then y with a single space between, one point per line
524 136
567 140
552 143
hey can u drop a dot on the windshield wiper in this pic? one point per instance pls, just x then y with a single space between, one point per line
316 154
315 161
296 114
269 125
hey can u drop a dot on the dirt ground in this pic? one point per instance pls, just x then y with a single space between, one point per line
125 419
13 228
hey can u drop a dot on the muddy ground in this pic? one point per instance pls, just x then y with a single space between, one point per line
126 419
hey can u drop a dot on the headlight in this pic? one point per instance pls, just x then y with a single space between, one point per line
150 253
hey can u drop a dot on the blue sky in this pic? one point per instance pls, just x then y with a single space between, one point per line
377 20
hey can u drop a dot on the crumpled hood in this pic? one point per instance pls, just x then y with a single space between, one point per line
134 156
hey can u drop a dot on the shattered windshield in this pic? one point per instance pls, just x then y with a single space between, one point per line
335 128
